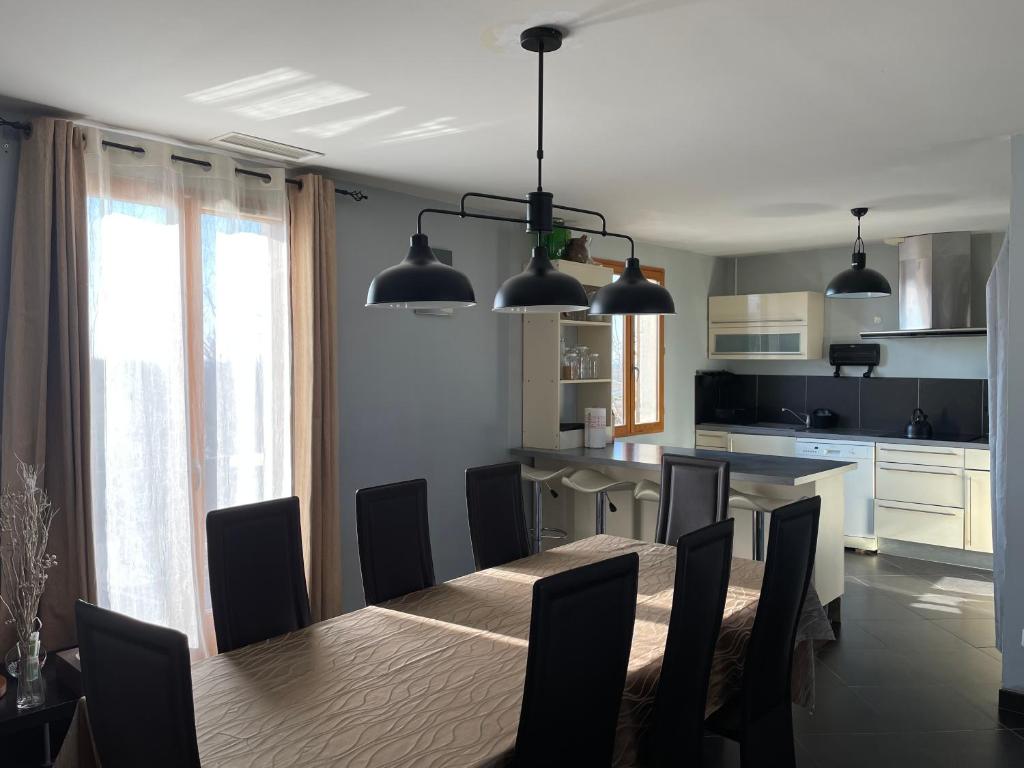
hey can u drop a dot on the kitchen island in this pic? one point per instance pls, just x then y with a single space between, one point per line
779 478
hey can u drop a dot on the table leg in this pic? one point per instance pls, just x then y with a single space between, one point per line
47 758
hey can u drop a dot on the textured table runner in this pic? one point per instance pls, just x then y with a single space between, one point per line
435 678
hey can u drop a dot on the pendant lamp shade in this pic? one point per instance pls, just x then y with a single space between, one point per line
859 281
633 294
540 288
420 281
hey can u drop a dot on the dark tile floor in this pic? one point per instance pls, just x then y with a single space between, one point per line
913 679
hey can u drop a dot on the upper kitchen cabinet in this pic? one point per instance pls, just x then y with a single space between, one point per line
766 326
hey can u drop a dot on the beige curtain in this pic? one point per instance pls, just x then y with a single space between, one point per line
314 396
46 373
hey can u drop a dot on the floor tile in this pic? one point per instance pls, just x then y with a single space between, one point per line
871 666
961 666
837 710
912 636
981 633
851 633
924 708
957 749
870 604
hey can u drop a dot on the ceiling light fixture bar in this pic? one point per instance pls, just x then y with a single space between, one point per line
423 281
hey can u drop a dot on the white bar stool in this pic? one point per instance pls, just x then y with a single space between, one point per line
647 490
591 481
538 478
758 506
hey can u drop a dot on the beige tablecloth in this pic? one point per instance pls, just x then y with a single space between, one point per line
435 678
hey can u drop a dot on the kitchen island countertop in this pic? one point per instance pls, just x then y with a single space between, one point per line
743 467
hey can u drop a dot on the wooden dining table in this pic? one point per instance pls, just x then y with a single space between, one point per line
435 678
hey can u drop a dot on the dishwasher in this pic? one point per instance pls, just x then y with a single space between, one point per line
859 497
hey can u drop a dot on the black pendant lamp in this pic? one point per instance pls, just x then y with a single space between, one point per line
540 288
859 281
422 282
633 294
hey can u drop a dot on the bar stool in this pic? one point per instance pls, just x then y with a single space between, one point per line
647 490
758 506
539 478
592 481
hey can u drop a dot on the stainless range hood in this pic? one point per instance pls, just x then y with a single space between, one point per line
936 287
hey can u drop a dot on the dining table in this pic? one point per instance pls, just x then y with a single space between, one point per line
435 678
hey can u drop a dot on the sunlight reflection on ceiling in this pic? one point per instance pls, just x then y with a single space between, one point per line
247 86
338 127
305 99
440 126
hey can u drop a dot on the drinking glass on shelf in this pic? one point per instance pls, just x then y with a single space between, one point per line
581 362
570 365
593 365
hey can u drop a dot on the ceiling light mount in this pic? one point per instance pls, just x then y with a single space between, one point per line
541 39
422 281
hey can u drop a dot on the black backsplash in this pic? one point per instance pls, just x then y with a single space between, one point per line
954 406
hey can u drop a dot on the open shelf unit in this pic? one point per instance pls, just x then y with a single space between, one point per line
548 400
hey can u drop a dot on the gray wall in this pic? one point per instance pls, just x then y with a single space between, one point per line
1012 603
423 396
688 277
811 270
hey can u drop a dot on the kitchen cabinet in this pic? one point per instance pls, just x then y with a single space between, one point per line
766 326
978 492
766 445
920 494
711 440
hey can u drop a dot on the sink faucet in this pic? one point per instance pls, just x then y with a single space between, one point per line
804 417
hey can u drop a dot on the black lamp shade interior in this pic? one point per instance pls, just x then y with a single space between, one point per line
420 281
633 294
540 288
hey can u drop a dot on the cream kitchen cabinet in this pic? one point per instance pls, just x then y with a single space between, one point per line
920 494
766 445
766 326
978 501
711 440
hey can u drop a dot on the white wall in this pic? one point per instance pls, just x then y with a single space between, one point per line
811 270
423 396
1012 603
688 277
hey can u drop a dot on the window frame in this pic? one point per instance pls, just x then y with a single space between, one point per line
630 428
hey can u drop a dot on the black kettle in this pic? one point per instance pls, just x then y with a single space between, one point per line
919 427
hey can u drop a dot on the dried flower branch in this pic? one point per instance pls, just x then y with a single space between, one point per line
25 517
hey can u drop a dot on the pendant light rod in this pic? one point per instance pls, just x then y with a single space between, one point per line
464 215
605 233
540 116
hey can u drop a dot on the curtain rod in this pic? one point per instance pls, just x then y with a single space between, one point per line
356 194
26 128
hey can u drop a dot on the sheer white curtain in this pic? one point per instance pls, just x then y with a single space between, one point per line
190 367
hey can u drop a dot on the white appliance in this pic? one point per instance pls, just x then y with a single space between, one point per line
859 521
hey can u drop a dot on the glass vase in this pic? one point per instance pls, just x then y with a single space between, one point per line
30 674
14 653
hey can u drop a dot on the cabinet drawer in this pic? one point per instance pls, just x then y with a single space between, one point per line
920 484
935 456
712 440
975 458
766 445
922 523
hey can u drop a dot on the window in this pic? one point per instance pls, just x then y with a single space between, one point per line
190 374
638 366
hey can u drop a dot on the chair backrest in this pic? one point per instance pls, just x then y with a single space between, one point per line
703 563
792 538
694 494
581 631
257 578
497 525
394 540
138 687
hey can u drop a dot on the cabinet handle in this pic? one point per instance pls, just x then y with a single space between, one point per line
916 509
951 471
922 449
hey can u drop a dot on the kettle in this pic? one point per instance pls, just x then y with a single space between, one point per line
919 427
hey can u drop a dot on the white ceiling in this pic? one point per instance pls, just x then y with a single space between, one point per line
721 126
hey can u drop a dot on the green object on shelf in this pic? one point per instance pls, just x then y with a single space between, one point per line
556 240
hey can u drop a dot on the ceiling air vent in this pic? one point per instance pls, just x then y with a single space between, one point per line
265 147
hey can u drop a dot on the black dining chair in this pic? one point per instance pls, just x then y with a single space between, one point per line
394 540
257 577
497 525
694 494
703 563
581 631
760 717
138 689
